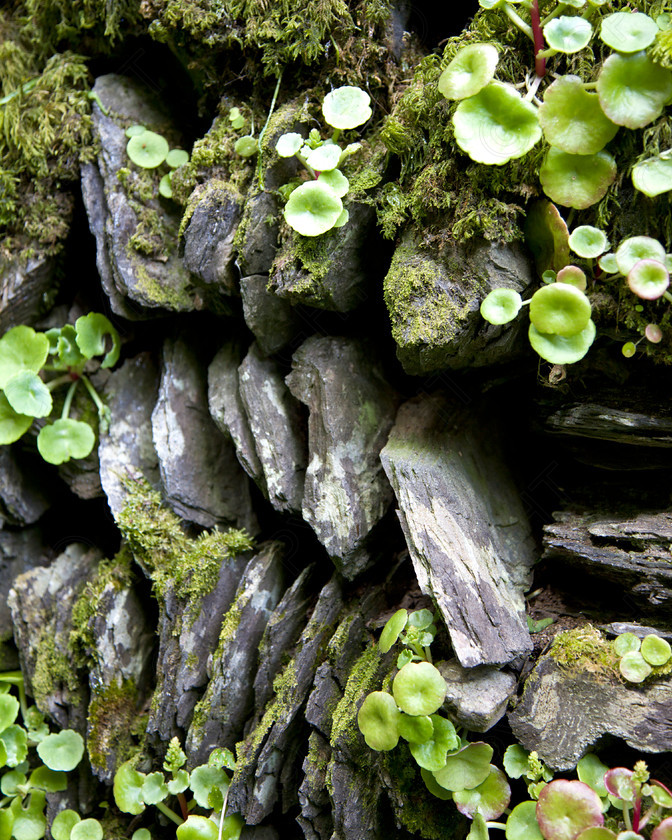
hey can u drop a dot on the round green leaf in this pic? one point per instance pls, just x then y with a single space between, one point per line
576 180
209 785
572 275
50 781
378 721
566 808
515 761
562 349
634 667
12 781
179 783
135 130
568 34
628 32
63 824
591 770
466 768
147 150
491 798
433 786
547 236
166 186
633 89
392 629
15 741
588 242
65 439
289 144
335 179
653 333
598 832
232 827
522 823
62 750
496 125
197 828
246 146
343 218
654 175
656 651
9 709
29 822
141 834
572 120
127 789
222 757
312 209
27 394
501 306
415 728
95 336
346 107
608 263
648 279
324 158
431 754
21 348
637 248
65 347
560 309
420 619
419 688
470 71
176 158
154 788
6 822
89 829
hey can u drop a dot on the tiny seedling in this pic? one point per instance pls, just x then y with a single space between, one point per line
150 150
28 358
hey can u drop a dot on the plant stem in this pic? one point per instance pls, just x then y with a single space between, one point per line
305 163
516 19
667 296
626 816
260 171
100 405
60 380
68 400
428 655
538 38
169 813
495 825
182 799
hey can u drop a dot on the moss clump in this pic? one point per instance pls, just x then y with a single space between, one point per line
53 667
585 649
112 718
363 678
172 558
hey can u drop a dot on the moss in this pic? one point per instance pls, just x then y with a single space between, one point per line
156 538
53 667
111 720
362 679
585 649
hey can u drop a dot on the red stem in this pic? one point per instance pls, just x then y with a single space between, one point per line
535 18
636 811
181 798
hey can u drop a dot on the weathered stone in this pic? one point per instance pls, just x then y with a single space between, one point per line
259 244
433 300
208 238
565 712
351 412
23 499
202 478
272 320
228 412
264 755
20 551
476 697
41 602
27 288
133 281
277 429
228 699
632 555
130 395
340 269
464 524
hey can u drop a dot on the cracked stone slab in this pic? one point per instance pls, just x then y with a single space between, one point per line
476 698
27 288
23 499
465 526
276 422
201 476
135 283
352 409
272 320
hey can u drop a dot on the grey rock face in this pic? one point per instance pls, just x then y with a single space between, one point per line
257 250
208 238
25 289
433 301
276 424
201 476
351 412
228 411
345 268
563 713
465 526
22 498
130 394
271 319
476 697
41 602
134 282
228 699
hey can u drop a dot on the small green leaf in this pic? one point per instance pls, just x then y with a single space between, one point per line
154 788
431 754
588 242
466 768
246 146
166 186
479 829
222 757
65 439
62 750
515 761
568 34
232 827
470 71
313 208
21 348
501 306
66 349
141 834
63 824
127 789
656 651
324 158
179 783
29 822
50 781
562 349
633 89
11 782
209 785
522 823
404 658
378 721
96 336
419 688
420 619
135 130
89 829
537 626
577 181
490 798
653 176
28 395
289 144
197 828
634 667
148 149
16 744
9 709
335 179
392 630
628 32
176 158
346 107
591 770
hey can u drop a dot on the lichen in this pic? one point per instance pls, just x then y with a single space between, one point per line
585 649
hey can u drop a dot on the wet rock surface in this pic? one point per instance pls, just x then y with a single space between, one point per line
25 290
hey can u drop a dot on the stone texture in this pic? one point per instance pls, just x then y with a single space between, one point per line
433 300
202 478
130 394
276 423
27 288
464 524
352 409
23 496
476 697
134 282
272 320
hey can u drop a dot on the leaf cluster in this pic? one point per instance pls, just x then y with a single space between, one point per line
149 150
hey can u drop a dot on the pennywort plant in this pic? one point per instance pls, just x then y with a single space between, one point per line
207 786
150 150
34 364
33 763
316 205
639 657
